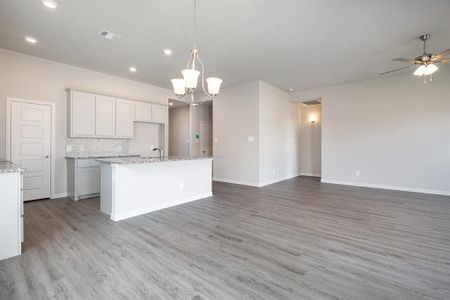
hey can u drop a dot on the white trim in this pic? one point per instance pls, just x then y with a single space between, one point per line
310 174
277 180
255 184
9 100
247 183
388 187
59 195
141 211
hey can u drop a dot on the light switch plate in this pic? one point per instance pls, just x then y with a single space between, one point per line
251 138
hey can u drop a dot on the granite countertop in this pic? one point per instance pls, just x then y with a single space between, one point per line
149 160
9 167
94 156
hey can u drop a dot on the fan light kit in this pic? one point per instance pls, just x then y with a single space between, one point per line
188 84
426 63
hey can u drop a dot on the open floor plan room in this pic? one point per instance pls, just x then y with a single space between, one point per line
211 149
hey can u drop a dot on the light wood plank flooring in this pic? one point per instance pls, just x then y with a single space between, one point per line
297 239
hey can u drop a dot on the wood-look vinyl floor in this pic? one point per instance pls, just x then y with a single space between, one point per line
298 239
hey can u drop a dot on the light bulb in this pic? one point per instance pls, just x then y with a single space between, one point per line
190 78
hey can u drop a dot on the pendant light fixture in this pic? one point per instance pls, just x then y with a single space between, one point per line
188 84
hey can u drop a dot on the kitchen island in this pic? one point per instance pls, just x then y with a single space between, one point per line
11 209
134 186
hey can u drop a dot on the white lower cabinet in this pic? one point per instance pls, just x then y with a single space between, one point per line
83 178
11 222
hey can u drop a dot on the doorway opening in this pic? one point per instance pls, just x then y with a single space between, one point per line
310 137
190 129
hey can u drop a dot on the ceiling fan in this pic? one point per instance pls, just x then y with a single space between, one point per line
426 63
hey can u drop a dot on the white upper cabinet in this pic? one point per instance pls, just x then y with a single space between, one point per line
125 115
82 108
143 112
93 115
159 113
105 116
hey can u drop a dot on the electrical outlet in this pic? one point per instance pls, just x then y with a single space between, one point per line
216 140
251 138
357 173
273 171
181 184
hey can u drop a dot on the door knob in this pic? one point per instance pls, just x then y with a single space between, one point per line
46 156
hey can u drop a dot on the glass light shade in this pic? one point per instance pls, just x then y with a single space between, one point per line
190 78
420 71
179 86
426 70
430 69
213 85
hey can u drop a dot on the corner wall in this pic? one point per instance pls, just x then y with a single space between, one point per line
255 135
395 130
278 135
235 121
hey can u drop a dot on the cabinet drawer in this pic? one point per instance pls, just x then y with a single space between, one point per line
87 163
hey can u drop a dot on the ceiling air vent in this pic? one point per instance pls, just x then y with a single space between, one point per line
312 101
109 35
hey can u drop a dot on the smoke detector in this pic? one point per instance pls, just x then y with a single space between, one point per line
109 35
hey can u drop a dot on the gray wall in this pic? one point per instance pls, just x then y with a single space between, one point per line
256 131
278 135
395 130
235 118
179 131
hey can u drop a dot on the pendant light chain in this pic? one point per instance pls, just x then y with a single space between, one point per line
188 84
195 24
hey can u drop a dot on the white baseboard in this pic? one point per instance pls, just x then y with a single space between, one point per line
255 184
388 187
310 174
277 180
146 210
58 195
248 183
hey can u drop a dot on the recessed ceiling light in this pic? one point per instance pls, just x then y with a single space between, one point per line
31 39
50 4
291 90
133 69
170 103
168 52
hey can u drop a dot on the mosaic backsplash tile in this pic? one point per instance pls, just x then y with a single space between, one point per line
94 146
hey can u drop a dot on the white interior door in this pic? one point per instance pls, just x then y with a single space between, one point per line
30 147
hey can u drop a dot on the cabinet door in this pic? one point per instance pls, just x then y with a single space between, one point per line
82 114
105 116
88 180
159 113
143 112
125 111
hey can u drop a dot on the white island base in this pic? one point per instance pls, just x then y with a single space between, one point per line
136 187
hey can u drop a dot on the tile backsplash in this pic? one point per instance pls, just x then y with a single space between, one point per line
95 146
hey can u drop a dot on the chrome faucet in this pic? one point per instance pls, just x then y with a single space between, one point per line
160 150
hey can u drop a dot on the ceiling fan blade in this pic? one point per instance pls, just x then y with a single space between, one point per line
445 61
409 60
442 54
395 70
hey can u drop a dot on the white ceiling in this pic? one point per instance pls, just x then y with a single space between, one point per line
296 44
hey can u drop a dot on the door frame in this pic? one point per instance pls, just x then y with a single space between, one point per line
9 101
